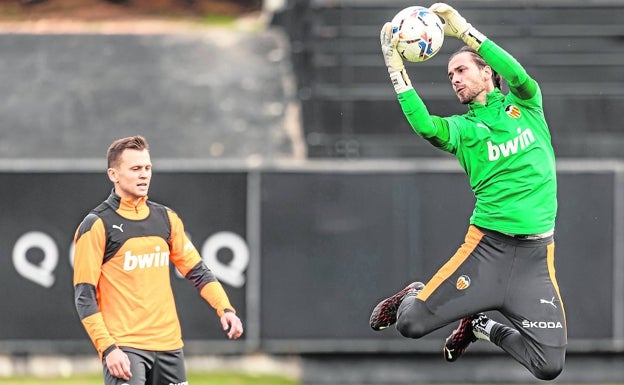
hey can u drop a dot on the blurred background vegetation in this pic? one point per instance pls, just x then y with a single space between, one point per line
11 10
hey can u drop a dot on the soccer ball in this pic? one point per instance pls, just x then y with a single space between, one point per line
420 33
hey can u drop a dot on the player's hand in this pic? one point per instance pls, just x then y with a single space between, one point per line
388 48
454 24
396 69
118 364
232 325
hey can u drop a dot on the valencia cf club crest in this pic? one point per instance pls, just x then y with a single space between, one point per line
462 282
512 111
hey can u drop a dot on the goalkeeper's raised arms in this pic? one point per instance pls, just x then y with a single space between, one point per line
396 69
455 25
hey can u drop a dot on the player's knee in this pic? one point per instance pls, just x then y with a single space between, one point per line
409 328
548 372
412 320
552 364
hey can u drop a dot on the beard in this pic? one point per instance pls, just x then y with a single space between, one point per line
465 99
468 95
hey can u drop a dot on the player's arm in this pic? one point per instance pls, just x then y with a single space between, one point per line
455 25
520 83
186 258
212 292
90 241
431 128
188 261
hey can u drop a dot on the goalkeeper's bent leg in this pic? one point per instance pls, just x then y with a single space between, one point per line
544 362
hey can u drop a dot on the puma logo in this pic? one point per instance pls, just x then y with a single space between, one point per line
551 302
483 126
118 227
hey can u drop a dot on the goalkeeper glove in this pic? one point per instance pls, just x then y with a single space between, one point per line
456 25
396 69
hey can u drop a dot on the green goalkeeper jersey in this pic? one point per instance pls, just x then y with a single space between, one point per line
504 147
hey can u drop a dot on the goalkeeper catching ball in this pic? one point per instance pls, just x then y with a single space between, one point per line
506 262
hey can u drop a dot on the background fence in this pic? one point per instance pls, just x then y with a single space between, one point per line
305 251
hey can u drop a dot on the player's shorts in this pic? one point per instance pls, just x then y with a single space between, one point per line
152 368
494 271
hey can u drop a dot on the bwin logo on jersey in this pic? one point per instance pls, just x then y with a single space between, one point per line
145 261
523 140
541 324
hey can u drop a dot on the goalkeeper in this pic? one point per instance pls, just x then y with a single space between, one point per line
506 262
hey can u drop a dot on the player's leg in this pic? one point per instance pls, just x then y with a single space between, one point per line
140 365
533 305
385 313
543 361
468 283
169 368
497 262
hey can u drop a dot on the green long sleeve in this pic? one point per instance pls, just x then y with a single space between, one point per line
429 127
520 83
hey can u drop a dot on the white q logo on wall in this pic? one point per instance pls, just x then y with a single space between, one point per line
232 273
41 273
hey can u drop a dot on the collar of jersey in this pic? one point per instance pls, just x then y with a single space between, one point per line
492 98
122 205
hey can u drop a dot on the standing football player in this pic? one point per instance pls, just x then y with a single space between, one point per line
122 284
506 262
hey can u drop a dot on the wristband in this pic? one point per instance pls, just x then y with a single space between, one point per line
473 38
400 81
108 350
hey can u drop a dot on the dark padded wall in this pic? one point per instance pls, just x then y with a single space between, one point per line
334 245
329 246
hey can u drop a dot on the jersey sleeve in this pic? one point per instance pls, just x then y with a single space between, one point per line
183 253
189 263
432 128
90 241
521 85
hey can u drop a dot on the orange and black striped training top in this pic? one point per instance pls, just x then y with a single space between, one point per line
122 286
